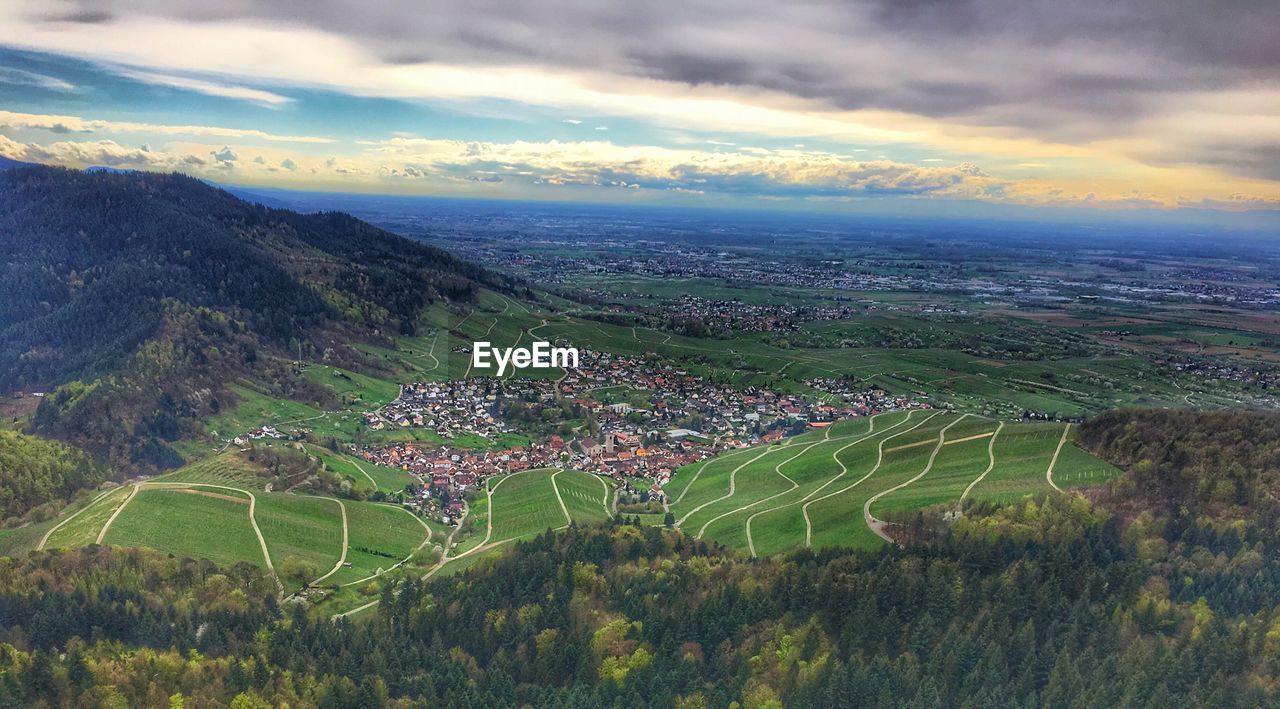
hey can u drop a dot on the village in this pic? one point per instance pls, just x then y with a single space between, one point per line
640 422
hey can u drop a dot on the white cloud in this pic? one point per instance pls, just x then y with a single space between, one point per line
210 88
21 77
107 153
752 173
75 124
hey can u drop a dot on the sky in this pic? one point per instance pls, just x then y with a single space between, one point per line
1105 106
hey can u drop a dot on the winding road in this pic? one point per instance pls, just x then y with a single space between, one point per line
991 464
45 539
1048 473
808 523
878 525
835 455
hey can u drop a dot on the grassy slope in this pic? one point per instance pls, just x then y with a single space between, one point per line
586 496
525 505
305 528
381 536
775 505
83 528
188 524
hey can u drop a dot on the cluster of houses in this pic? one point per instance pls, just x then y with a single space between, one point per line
450 408
258 434
667 418
1266 376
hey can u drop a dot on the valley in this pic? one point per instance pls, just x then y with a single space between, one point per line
763 419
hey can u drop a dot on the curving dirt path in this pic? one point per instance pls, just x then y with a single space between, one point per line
45 539
516 303
1048 473
497 315
835 455
991 457
364 472
488 531
699 472
733 474
733 485
533 331
878 525
444 557
403 561
778 469
342 558
102 533
804 510
604 501
432 352
556 488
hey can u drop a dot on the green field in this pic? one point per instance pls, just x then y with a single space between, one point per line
364 476
808 490
69 524
304 529
225 469
381 536
812 491
525 504
188 523
585 496
203 510
84 527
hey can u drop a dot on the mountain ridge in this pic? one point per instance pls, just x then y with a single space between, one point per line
137 297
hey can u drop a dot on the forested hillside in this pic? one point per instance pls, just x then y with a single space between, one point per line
1204 458
148 293
35 471
637 616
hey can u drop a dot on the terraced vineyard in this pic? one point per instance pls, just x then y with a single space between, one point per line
218 509
519 506
525 504
825 488
835 487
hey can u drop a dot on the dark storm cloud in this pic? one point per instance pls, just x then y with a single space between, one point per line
1074 70
1262 161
